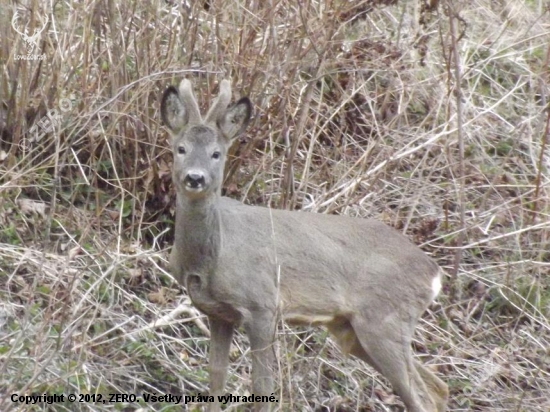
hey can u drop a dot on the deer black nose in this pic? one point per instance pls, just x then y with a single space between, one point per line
194 180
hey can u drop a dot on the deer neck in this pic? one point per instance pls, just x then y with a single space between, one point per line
198 235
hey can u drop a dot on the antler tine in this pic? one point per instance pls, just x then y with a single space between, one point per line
221 103
13 20
189 102
45 23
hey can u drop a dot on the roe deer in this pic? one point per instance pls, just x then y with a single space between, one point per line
247 265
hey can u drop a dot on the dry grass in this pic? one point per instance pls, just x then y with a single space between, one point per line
356 113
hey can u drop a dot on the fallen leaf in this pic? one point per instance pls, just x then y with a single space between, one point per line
157 297
29 206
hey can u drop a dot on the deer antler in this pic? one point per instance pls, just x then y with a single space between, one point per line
37 32
13 21
30 40
45 23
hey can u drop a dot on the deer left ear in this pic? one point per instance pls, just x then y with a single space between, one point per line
236 118
173 111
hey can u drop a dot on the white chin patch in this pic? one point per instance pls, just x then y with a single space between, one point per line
194 189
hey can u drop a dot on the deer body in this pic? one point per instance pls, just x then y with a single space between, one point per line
349 258
248 265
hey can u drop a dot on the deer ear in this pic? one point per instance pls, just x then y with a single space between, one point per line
172 110
236 118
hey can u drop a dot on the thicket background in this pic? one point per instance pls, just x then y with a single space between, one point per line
358 111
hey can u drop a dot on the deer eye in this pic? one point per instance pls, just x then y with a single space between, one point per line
216 155
181 150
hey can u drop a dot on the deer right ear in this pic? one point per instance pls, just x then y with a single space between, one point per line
172 110
236 118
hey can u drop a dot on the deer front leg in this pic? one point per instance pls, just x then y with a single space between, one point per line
261 333
221 334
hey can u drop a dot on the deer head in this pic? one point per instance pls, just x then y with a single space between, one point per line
200 146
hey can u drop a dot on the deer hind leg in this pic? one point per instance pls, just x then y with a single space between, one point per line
437 388
349 342
387 348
